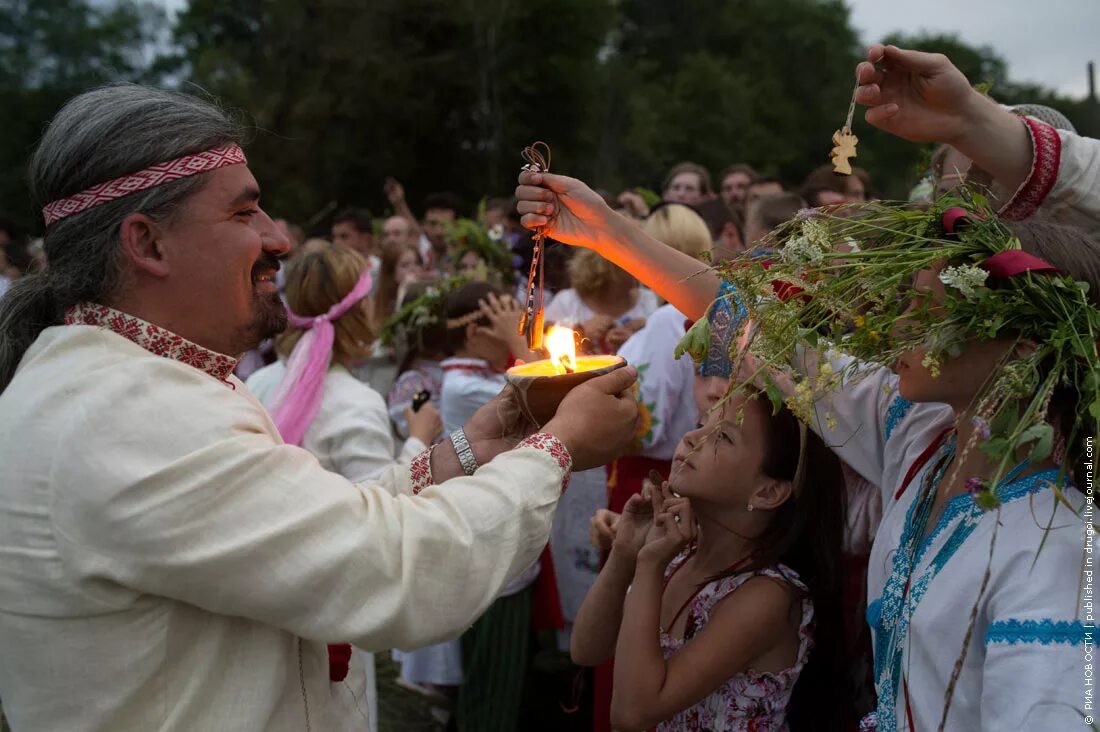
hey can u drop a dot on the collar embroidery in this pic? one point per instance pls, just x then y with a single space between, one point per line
152 338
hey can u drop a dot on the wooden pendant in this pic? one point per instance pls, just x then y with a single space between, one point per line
845 148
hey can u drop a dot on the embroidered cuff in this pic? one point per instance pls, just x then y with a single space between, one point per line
1043 632
552 445
420 470
1046 148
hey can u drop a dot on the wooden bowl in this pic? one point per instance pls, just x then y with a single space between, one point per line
541 390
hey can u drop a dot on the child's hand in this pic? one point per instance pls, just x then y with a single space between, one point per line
596 327
426 424
633 524
503 314
673 528
601 529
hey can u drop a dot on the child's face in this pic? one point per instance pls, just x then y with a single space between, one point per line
720 460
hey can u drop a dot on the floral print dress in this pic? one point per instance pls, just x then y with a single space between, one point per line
750 701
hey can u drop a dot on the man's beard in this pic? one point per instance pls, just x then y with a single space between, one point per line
268 312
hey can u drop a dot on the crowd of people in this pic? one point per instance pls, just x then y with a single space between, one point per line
242 458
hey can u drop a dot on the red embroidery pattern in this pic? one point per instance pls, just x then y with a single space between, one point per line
420 470
152 176
152 338
550 444
1046 147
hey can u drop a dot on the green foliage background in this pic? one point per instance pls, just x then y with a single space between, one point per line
443 94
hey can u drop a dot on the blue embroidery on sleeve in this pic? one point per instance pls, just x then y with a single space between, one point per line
726 316
1044 632
895 413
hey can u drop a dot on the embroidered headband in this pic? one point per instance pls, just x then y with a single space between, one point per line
150 177
298 396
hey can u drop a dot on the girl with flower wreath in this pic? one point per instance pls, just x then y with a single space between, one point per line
979 562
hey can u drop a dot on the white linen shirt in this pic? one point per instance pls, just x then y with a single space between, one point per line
350 433
167 563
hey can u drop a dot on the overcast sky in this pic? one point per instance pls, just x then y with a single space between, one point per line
1048 42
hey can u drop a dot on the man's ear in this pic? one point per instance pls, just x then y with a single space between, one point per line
139 236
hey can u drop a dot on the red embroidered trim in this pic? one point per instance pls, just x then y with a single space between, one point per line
550 444
420 471
1046 148
155 175
152 338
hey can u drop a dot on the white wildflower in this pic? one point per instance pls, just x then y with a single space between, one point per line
816 233
800 250
966 279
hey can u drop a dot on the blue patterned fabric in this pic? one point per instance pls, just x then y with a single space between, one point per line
894 610
1043 632
725 316
895 413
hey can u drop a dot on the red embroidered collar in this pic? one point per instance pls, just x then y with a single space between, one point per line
152 338
473 365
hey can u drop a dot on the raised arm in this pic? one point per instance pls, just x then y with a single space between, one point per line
922 97
571 212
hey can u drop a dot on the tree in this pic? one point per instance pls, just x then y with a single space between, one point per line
442 94
759 81
51 50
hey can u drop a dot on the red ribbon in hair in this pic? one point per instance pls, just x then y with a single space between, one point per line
1003 265
785 290
953 219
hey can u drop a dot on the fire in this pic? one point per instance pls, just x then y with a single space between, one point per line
562 345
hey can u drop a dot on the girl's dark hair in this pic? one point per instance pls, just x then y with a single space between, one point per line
806 535
461 305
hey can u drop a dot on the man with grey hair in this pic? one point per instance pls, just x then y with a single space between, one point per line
166 562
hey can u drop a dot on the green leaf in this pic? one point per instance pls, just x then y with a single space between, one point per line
1005 420
1094 408
997 447
696 342
1043 435
775 396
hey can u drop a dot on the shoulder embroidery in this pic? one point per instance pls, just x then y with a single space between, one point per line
1044 632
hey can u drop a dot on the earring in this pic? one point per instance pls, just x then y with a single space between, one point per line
750 507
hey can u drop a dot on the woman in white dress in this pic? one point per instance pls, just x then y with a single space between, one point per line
319 405
606 306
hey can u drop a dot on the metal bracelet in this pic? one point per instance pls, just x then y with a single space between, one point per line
464 452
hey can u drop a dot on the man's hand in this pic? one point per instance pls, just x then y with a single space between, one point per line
596 420
395 192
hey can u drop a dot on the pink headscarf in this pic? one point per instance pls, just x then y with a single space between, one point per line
298 397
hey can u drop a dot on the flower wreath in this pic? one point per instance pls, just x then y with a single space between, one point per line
465 236
405 328
851 297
